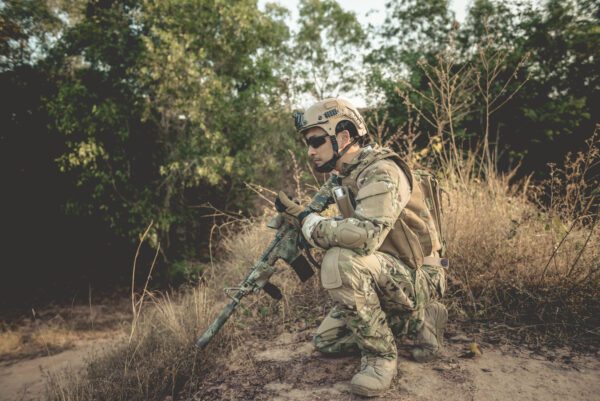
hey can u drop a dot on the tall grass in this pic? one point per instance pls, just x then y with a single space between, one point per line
531 267
160 359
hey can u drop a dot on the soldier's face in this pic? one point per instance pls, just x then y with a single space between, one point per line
318 151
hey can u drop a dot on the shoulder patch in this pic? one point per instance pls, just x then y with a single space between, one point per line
375 188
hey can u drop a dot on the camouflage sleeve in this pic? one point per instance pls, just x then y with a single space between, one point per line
382 193
323 198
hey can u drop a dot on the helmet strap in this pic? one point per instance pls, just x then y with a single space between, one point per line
334 144
328 166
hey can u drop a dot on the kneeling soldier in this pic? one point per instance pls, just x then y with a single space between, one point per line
381 266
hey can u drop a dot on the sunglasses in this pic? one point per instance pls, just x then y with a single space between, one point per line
316 141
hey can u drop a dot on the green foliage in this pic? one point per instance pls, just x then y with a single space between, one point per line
26 30
413 31
557 110
553 47
96 111
327 46
161 114
151 111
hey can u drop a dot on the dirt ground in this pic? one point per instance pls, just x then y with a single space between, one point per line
289 369
24 380
52 339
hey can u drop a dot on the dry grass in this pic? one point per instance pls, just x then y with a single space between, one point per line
10 342
507 266
522 254
161 360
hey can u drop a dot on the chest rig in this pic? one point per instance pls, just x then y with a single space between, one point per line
414 235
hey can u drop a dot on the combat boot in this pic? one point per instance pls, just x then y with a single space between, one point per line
431 335
375 376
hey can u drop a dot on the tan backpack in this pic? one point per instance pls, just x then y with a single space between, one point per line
432 193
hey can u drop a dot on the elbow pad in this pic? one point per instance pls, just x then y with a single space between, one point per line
348 233
350 236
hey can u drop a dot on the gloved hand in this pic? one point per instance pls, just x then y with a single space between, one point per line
290 209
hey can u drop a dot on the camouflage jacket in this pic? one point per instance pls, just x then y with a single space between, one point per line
380 191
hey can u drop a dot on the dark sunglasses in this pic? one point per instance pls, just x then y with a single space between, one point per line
316 141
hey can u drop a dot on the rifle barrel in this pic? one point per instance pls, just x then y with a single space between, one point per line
252 283
217 323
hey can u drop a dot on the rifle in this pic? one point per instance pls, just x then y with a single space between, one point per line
286 246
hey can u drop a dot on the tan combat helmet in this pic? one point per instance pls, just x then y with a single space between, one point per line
327 114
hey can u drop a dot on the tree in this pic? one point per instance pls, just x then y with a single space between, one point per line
27 28
413 31
162 115
326 49
560 41
553 47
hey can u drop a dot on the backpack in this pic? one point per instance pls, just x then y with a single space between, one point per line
432 193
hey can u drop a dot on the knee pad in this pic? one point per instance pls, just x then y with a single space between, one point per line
330 270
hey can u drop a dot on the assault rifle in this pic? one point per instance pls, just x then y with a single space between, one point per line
285 246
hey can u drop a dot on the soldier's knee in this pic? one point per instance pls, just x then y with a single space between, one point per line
333 338
326 336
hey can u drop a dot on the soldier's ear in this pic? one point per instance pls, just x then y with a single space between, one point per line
343 137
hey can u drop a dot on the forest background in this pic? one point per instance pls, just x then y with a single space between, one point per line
120 115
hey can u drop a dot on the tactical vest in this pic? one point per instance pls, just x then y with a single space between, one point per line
414 235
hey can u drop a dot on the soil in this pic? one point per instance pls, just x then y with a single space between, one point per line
24 379
53 339
290 369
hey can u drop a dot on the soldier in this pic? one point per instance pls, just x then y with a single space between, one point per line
381 266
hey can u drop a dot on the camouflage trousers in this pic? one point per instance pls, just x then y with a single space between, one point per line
376 298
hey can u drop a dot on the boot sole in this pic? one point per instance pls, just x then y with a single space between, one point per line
366 392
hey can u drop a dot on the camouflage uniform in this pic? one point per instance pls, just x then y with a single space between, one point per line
376 295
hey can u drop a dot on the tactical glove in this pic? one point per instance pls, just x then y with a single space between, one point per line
290 209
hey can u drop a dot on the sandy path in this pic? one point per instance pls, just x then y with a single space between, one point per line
291 370
24 380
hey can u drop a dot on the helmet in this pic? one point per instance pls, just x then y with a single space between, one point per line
327 114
